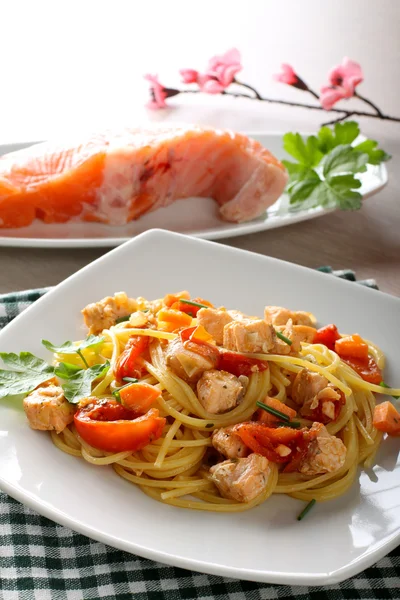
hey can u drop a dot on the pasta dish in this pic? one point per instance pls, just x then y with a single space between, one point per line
207 408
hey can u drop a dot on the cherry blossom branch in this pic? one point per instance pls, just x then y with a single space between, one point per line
345 113
222 70
378 111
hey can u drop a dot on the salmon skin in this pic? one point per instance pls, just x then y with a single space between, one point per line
116 177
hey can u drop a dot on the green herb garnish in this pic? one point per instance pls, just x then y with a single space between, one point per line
210 425
306 510
383 384
78 384
324 174
283 338
192 303
130 380
292 424
273 411
122 319
70 348
25 373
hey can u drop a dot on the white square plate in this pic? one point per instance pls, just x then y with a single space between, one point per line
337 540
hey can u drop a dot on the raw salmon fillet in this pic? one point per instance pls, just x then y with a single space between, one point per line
116 177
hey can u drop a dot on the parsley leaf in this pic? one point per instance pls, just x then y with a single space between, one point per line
92 341
342 133
327 166
306 152
25 373
78 382
375 155
344 159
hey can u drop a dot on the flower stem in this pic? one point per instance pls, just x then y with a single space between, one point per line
371 104
348 113
313 93
249 87
342 118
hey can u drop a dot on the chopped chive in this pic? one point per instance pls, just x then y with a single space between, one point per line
193 303
116 395
283 338
122 319
292 424
272 411
383 384
306 510
130 381
209 425
83 358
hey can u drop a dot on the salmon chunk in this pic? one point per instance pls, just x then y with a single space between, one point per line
249 335
296 334
103 314
219 391
277 315
214 321
47 409
228 443
186 363
326 453
117 176
241 479
307 385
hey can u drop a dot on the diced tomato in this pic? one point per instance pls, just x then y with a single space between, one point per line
252 435
170 299
196 334
352 346
387 418
318 415
208 351
264 440
239 364
138 397
127 363
327 336
369 370
267 418
298 454
190 308
109 426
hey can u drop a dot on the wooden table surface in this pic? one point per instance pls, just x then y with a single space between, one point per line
367 241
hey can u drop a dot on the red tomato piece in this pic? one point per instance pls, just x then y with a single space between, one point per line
109 426
239 364
327 336
127 365
369 371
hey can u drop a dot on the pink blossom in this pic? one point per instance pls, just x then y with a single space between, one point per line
210 85
224 67
287 75
348 76
189 75
330 95
157 92
290 77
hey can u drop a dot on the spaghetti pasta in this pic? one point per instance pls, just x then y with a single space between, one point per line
331 435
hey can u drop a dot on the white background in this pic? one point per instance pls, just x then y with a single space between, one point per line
68 65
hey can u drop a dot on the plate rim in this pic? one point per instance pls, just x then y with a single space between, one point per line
359 564
247 228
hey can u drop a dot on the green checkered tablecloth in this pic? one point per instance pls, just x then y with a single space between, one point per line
40 560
